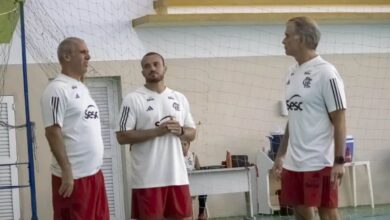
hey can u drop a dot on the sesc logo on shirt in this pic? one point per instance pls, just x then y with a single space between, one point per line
91 112
294 103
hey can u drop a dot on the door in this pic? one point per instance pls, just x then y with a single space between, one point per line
105 91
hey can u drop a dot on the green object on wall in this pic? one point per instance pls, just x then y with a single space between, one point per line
9 15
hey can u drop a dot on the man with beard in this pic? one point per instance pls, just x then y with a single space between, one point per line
153 119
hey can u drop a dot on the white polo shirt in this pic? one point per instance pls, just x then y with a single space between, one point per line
67 103
157 162
313 90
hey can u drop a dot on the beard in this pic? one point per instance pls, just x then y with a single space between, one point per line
153 80
156 79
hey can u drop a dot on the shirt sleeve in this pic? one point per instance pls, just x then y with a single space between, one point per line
53 105
127 115
188 120
333 91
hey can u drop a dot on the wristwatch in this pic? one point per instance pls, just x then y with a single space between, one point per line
339 160
182 132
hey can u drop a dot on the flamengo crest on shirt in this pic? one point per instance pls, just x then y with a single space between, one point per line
307 82
176 106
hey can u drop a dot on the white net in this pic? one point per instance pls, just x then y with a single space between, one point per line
8 18
232 74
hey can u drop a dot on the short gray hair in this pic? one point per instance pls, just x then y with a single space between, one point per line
66 47
308 30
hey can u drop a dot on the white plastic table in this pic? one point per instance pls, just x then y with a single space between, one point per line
225 180
352 168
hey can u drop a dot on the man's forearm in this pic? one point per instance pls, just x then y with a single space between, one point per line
283 145
188 134
338 120
57 147
137 136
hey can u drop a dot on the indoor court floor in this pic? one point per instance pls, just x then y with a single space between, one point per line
380 212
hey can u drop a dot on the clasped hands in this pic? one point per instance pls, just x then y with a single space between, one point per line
170 123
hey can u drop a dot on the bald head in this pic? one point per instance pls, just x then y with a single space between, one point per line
66 47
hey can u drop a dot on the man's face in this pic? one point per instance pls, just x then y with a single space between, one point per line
292 42
153 68
78 59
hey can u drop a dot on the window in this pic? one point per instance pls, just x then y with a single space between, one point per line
9 198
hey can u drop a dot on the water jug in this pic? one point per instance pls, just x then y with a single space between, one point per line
275 138
349 148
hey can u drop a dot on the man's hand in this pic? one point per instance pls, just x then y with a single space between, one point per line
173 126
277 168
67 184
337 174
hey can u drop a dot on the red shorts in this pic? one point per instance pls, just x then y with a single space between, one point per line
161 202
87 201
311 189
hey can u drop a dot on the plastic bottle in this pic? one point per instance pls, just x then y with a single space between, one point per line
228 160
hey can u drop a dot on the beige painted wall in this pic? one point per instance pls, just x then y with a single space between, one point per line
234 100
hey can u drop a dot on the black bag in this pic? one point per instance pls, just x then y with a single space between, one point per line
240 161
